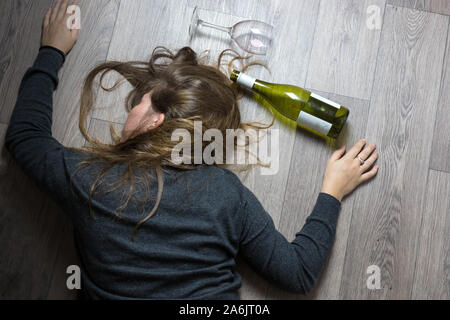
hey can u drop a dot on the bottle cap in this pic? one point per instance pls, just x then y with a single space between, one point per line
234 75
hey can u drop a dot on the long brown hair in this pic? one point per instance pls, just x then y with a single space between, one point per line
185 90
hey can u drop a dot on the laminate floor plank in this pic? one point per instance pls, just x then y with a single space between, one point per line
345 48
250 9
385 226
21 33
12 14
440 152
432 272
403 3
436 6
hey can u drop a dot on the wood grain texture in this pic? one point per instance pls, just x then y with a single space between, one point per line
403 3
21 33
29 233
345 49
66 256
385 224
12 14
440 152
432 269
250 9
437 6
4 156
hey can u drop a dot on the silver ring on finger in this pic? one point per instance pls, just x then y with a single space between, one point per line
361 160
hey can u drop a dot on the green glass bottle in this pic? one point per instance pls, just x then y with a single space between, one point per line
311 111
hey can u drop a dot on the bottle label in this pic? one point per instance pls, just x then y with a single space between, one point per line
320 98
310 121
246 80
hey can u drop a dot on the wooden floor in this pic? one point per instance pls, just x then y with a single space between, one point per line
393 76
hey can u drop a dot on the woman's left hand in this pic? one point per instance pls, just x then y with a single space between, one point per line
55 30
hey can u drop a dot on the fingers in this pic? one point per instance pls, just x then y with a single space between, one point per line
47 17
74 33
338 153
74 3
63 9
367 151
59 10
369 175
369 162
55 10
356 149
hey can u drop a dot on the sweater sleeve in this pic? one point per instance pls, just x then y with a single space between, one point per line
29 136
292 266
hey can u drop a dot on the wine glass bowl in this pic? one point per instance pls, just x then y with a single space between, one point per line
252 36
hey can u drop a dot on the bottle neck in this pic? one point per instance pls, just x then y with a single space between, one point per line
243 79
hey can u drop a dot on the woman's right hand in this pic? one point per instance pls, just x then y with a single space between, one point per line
345 172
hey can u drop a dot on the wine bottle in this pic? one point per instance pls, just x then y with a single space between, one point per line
311 111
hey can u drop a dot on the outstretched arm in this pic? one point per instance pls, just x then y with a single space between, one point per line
294 266
29 135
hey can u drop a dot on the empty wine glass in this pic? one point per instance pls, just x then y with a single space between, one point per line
250 35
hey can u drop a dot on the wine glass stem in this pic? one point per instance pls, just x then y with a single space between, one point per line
207 24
